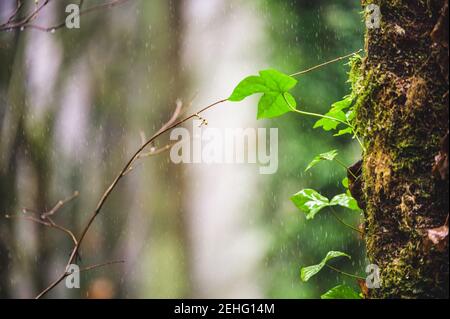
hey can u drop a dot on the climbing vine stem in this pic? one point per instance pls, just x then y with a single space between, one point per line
333 212
345 273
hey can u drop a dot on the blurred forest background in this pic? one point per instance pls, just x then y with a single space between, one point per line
73 104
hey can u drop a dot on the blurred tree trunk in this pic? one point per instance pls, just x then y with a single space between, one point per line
178 85
402 112
8 160
173 237
31 145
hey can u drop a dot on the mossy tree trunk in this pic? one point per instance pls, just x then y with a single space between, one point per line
402 113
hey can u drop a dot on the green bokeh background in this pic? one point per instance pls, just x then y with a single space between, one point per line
136 63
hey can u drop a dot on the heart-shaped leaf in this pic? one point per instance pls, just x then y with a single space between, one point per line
310 202
307 272
274 86
347 130
335 115
341 292
345 200
343 104
329 156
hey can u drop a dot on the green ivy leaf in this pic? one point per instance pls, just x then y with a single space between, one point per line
328 124
307 272
343 104
345 200
274 104
328 156
345 182
332 122
249 86
350 115
347 130
341 292
274 86
336 112
310 202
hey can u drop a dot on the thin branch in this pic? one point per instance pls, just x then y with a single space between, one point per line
66 274
19 24
326 63
115 182
325 116
92 267
317 115
345 167
25 23
29 218
157 151
35 13
333 212
15 12
52 285
172 120
60 205
50 223
44 218
149 154
345 273
63 229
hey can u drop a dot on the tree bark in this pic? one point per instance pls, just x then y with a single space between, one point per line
402 114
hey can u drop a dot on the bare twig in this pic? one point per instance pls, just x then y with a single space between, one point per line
16 11
35 13
19 24
345 273
165 128
67 273
157 151
152 152
173 119
333 212
59 205
44 218
26 22
326 63
63 229
102 265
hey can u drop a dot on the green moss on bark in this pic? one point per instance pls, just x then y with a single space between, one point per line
402 114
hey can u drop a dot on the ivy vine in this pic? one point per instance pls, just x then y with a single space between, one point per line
276 100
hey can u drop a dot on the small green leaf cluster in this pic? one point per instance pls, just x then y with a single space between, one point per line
307 272
329 156
338 292
310 202
277 100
